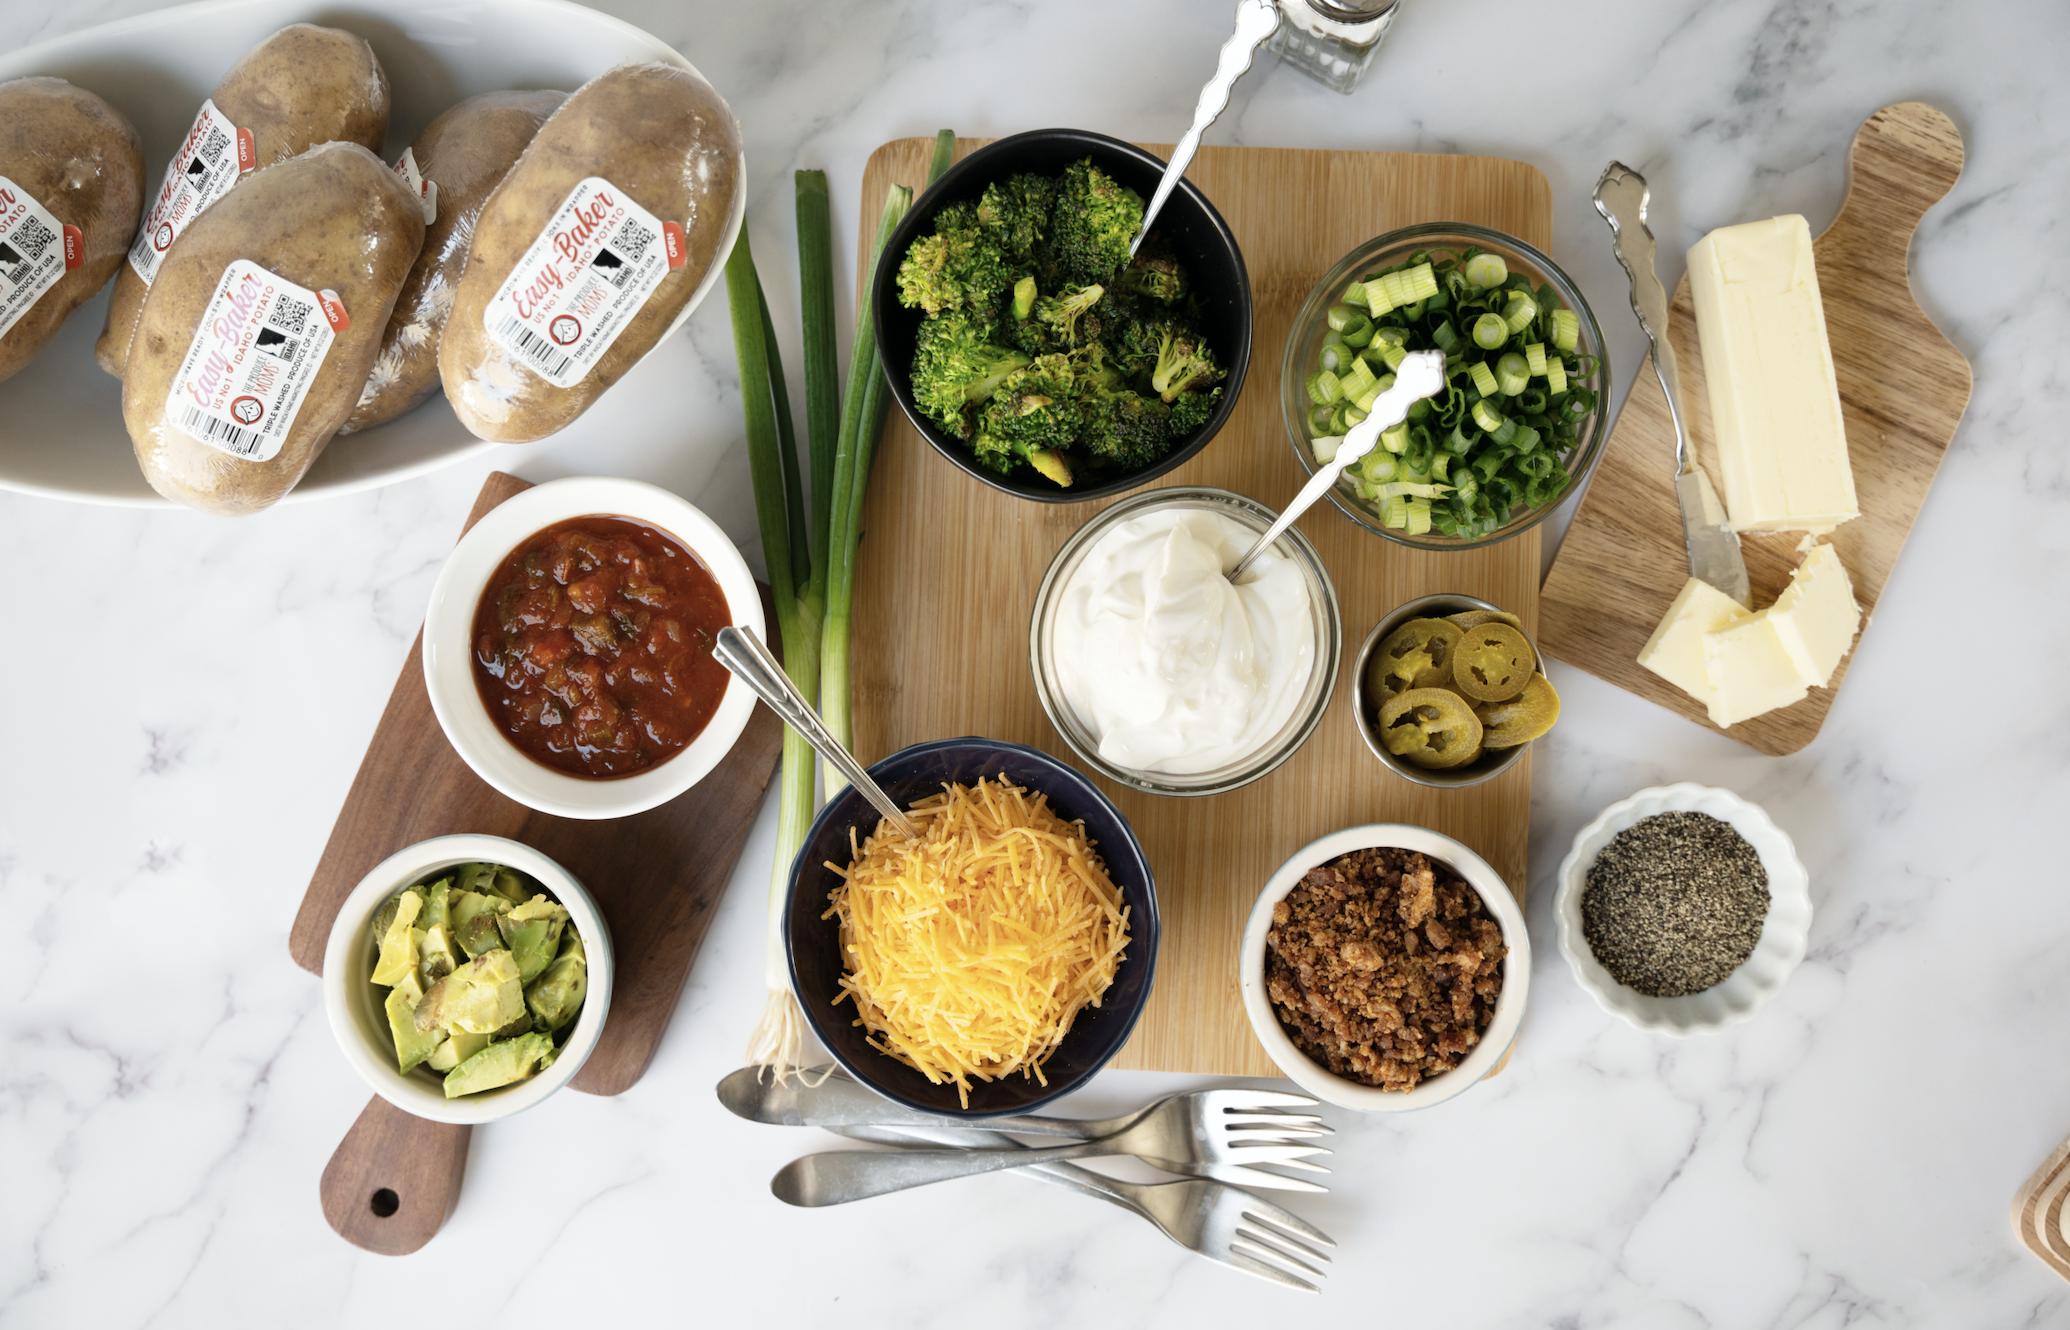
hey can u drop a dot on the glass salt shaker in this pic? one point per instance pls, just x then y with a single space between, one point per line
1332 41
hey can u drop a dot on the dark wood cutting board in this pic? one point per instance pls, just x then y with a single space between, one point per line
657 876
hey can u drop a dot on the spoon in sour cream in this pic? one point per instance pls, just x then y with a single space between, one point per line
1420 375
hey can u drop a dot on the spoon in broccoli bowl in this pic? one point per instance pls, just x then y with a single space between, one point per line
1421 375
1256 20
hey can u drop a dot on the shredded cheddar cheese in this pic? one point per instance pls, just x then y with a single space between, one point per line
970 951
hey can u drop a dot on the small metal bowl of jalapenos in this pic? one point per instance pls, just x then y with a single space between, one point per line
1448 691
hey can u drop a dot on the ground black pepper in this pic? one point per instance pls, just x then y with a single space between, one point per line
1674 904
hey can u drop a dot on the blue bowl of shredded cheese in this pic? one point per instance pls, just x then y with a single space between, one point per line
994 965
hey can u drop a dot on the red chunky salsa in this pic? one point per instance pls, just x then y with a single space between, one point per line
593 647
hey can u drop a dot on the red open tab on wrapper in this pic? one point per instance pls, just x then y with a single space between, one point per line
75 247
672 237
247 151
334 310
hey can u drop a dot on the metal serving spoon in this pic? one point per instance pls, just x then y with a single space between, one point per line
1714 555
1256 20
743 653
1420 375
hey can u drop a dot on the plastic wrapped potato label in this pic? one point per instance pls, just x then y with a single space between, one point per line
251 362
33 252
215 155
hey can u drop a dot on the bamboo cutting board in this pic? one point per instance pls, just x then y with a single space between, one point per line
949 569
657 876
1903 389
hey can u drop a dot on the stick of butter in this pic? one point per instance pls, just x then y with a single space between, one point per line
1775 404
1675 651
1816 616
1749 670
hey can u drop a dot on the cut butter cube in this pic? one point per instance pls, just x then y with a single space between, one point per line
1816 617
1749 670
1675 651
1775 403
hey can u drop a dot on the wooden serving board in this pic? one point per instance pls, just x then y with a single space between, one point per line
657 876
2037 1211
1903 389
949 570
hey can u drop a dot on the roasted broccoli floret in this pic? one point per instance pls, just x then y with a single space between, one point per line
1062 314
1190 411
1032 417
1135 349
956 366
1183 362
960 264
1155 275
1124 428
1092 224
1016 214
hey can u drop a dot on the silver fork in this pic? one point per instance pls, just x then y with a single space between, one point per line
1225 1224
1207 1133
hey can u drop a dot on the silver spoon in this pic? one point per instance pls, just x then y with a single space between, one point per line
1420 375
1256 20
743 653
1714 554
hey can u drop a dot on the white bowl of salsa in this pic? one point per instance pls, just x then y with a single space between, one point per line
567 646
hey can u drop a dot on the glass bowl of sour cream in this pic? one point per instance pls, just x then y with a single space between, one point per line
1158 672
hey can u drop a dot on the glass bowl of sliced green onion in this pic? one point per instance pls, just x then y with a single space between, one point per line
1521 420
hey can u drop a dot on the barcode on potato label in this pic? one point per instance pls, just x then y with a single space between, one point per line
579 285
211 159
31 256
251 363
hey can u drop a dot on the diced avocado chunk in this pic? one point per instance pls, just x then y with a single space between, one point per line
492 880
462 906
412 1045
535 937
510 886
438 955
556 995
437 898
480 935
498 1064
481 996
456 1050
399 943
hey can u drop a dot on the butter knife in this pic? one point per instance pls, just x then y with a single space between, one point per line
1714 555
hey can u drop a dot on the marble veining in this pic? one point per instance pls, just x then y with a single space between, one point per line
186 700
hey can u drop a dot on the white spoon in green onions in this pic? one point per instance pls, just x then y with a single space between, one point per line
1421 374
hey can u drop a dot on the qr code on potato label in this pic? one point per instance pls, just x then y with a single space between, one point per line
251 363
31 260
579 285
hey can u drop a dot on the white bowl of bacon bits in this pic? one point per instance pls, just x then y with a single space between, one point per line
1386 968
1683 908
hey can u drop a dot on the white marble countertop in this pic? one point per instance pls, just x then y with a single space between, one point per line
169 1091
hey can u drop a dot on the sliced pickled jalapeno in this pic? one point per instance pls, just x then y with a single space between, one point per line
1419 653
1492 663
1431 727
1475 618
1521 719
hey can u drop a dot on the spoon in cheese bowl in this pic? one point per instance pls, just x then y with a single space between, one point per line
1420 375
752 663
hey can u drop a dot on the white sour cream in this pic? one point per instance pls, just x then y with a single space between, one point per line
1174 669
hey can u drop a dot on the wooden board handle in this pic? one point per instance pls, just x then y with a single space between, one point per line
1904 159
393 1179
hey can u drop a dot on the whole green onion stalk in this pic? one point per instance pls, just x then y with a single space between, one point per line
811 559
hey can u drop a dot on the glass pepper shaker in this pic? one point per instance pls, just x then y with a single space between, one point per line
1332 41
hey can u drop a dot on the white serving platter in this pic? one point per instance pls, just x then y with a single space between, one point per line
61 431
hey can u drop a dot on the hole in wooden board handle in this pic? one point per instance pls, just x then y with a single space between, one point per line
394 1179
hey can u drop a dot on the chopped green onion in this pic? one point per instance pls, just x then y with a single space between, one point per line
1319 418
1486 416
1534 359
1323 389
1377 468
1512 374
1504 433
1337 357
1341 317
1490 331
1348 416
1360 331
1526 439
1483 378
1566 329
1487 270
1395 440
1420 282
1377 299
1358 377
1445 336
1325 448
1521 310
1393 353
1419 517
1395 511
1355 294
1555 375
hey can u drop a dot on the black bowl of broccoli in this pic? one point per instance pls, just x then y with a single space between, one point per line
1023 342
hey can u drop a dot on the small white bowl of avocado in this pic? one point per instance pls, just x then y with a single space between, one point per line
467 978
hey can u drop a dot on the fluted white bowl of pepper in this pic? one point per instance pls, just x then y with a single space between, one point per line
1680 923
